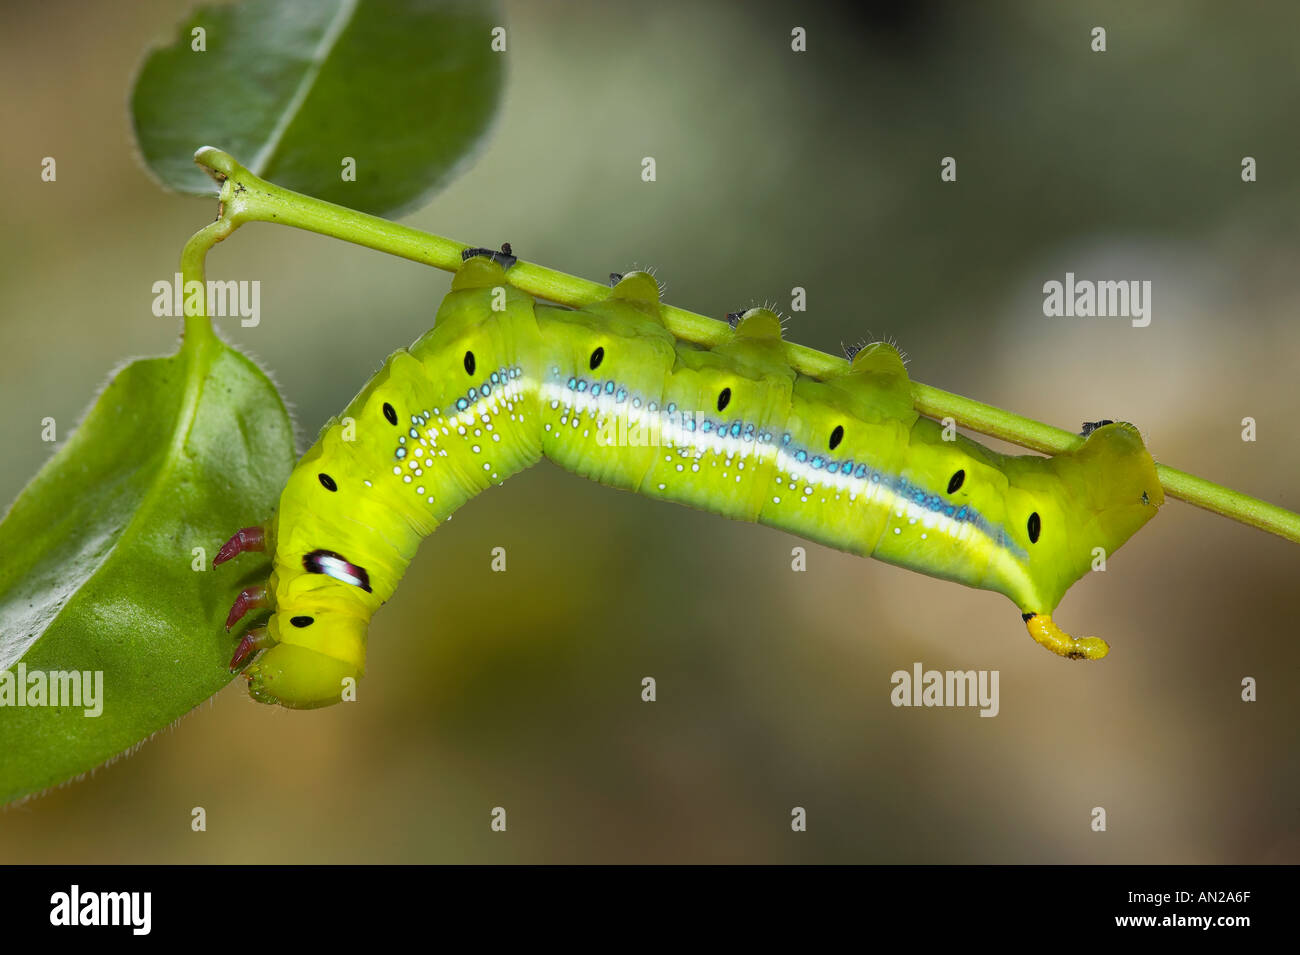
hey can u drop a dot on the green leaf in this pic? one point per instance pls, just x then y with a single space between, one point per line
406 88
97 557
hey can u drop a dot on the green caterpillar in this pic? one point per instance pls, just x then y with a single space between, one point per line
607 392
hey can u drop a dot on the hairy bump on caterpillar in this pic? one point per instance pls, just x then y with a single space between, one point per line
845 461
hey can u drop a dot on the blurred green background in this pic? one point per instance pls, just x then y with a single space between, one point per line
775 169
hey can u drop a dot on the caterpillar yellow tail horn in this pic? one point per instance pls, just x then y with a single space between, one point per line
1049 635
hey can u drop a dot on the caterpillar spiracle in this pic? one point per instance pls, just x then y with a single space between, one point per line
501 381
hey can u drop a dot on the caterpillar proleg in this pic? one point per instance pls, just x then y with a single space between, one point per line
606 392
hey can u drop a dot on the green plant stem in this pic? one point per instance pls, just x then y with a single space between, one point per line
247 198
198 327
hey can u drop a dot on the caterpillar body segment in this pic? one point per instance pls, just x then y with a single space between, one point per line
607 392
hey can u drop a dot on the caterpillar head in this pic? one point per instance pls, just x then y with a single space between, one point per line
312 661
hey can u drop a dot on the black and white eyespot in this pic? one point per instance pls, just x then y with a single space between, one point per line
1035 527
302 621
333 564
955 481
597 357
390 413
724 398
469 363
327 482
837 436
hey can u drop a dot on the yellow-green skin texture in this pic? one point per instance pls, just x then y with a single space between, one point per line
608 393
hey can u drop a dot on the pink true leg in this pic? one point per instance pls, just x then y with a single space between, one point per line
245 540
251 598
256 639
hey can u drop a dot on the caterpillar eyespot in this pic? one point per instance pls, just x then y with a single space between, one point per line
334 565
844 460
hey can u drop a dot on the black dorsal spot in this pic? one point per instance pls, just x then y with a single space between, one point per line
1035 527
469 363
837 436
390 413
302 621
327 482
724 398
955 481
597 357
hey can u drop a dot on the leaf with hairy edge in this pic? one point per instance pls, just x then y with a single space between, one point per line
404 88
105 560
